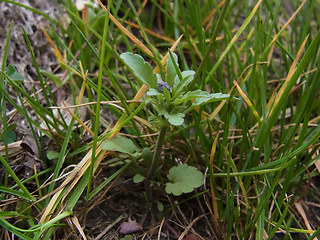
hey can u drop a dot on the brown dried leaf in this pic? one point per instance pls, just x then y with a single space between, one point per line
191 237
129 227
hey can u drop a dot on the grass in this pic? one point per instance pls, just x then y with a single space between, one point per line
260 154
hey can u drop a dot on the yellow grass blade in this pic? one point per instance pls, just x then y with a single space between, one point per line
247 100
126 32
78 120
165 58
167 39
213 196
55 49
285 25
290 74
218 108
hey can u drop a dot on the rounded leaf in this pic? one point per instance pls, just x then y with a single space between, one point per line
184 179
138 178
119 144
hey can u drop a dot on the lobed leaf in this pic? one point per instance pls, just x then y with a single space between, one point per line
184 179
175 119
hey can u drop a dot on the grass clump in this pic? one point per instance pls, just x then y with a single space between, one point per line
238 110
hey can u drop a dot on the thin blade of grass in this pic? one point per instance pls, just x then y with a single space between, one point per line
233 40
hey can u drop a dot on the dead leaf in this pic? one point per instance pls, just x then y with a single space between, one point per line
191 237
129 227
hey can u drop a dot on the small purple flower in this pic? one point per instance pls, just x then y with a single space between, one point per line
162 84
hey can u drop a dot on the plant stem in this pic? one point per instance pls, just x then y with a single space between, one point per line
157 153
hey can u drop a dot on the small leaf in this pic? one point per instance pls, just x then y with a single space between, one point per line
147 156
160 206
127 237
11 136
140 68
52 155
129 227
171 71
191 96
153 92
213 97
178 85
167 95
175 119
53 78
14 76
11 70
183 179
119 144
138 178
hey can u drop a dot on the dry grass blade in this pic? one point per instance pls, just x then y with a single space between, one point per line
75 221
247 100
78 120
304 217
142 7
218 108
54 47
285 25
165 58
209 18
188 227
127 33
213 197
274 101
12 148
167 39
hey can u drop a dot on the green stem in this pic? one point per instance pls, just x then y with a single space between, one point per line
157 154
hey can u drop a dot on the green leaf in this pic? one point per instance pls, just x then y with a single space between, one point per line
160 206
119 144
11 136
127 237
184 179
167 95
53 78
138 178
171 71
11 70
14 76
52 155
153 92
213 97
178 85
147 156
175 119
140 68
191 95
